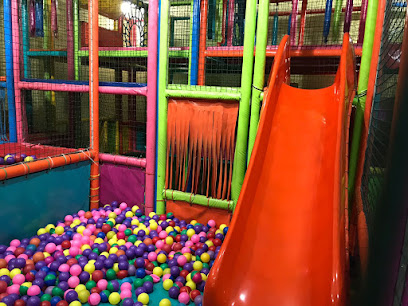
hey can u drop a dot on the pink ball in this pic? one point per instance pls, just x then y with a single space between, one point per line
63 268
185 250
25 256
68 218
172 253
33 290
166 276
117 211
159 244
123 206
195 238
86 232
75 270
77 237
182 260
189 243
74 251
202 234
73 281
128 244
58 249
125 294
49 260
14 289
81 213
102 284
85 239
212 223
152 256
156 278
18 279
122 228
76 243
50 248
162 234
94 299
126 286
159 229
11 248
184 298
15 243
91 227
9 257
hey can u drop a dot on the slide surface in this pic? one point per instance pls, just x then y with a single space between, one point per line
287 241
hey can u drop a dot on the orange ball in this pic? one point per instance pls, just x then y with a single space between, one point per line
88 215
19 251
35 241
29 262
148 241
120 252
3 263
39 256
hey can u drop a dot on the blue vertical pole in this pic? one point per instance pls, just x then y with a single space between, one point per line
8 44
327 18
195 43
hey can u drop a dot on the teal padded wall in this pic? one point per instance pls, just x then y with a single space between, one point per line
30 202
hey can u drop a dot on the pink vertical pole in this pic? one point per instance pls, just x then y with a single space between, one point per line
230 33
151 105
16 64
293 23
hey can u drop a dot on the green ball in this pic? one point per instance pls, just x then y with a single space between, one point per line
147 278
169 215
45 297
164 266
131 262
56 291
90 284
95 250
110 223
143 217
114 245
77 257
52 231
110 274
138 282
50 277
23 290
132 238
205 265
110 287
128 232
155 263
184 232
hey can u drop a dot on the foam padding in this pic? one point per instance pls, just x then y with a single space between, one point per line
30 202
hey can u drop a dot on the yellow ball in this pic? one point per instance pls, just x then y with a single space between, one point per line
209 243
90 268
80 229
75 303
3 304
27 284
193 222
218 232
143 298
192 285
177 228
188 256
222 226
113 250
158 271
83 296
134 208
59 230
129 214
166 271
49 227
46 254
153 226
169 229
4 271
169 240
92 261
110 234
161 258
190 232
135 222
121 242
137 243
114 298
116 267
112 220
106 254
152 214
165 302
80 288
205 257
76 222
84 247
167 284
66 252
188 278
112 215
204 277
41 231
14 272
197 265
98 240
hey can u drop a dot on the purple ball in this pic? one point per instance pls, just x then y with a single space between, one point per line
132 270
199 252
87 252
109 263
84 277
99 264
205 228
127 302
139 252
183 237
93 256
139 291
201 286
174 292
140 263
123 265
205 271
198 299
138 304
145 255
64 276
39 265
3 248
123 248
115 285
181 280
71 296
172 263
63 285
54 266
174 271
8 301
5 278
114 257
148 286
151 248
102 247
41 274
188 266
48 290
203 239
34 301
130 254
39 282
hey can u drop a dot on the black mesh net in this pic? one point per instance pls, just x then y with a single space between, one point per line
382 109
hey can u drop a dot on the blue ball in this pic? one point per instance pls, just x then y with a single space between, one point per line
140 273
225 230
104 297
101 235
55 300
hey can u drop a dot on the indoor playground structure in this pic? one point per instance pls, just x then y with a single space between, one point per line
203 152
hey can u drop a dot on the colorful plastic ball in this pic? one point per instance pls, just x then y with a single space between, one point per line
197 278
114 298
165 302
143 298
75 303
138 282
125 294
33 290
167 284
184 298
55 300
71 295
174 292
18 279
197 265
83 296
94 299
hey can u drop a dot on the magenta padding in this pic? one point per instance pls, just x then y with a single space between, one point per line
122 183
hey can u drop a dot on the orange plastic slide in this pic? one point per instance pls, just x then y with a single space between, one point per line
287 241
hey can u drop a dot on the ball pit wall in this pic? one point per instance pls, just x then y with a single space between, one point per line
28 203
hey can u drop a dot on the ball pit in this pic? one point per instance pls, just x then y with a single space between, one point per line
10 159
112 255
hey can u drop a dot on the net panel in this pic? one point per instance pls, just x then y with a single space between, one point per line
4 126
382 109
123 125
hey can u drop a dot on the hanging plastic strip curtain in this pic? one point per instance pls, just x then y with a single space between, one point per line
200 147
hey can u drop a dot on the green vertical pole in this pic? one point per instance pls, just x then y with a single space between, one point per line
162 103
362 88
238 172
336 19
259 71
76 39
